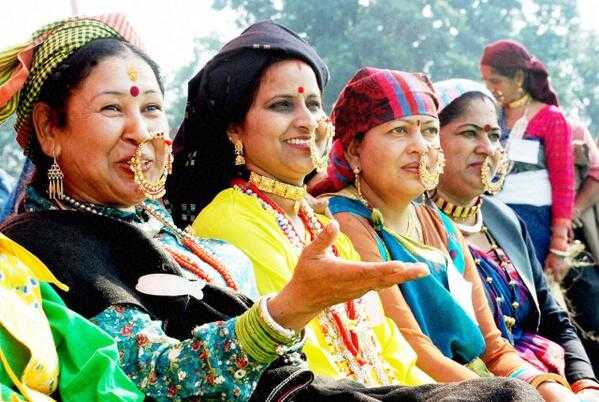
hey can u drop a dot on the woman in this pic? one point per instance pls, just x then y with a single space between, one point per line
35 351
88 103
254 121
522 305
387 144
538 140
581 284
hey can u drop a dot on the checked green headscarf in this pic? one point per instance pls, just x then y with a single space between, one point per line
25 68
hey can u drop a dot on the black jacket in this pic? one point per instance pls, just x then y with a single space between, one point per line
552 320
100 259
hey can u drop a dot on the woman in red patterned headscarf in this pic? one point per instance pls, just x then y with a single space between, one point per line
540 186
385 155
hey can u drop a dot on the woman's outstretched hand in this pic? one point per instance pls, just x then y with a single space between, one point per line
321 280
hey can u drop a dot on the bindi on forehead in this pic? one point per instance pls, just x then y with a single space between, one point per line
132 74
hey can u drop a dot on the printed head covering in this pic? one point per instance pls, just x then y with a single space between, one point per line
25 68
511 54
218 93
449 90
372 97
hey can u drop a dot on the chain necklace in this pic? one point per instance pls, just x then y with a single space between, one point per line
341 324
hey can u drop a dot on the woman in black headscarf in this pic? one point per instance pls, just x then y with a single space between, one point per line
221 116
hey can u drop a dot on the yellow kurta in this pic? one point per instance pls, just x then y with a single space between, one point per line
240 220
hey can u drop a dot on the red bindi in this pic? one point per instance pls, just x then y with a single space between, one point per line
134 90
487 128
300 90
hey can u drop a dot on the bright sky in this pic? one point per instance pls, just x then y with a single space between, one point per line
168 27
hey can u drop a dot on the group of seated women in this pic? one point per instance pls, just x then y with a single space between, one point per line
220 281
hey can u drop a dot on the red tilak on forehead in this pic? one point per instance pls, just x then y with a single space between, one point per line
300 90
134 90
487 128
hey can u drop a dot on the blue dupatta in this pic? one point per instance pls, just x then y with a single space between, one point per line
438 313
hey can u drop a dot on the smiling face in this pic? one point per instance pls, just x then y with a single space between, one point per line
505 89
466 141
389 155
281 121
104 125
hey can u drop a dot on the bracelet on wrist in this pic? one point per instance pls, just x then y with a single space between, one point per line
260 340
585 383
265 314
537 380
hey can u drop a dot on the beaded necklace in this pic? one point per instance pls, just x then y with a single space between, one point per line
188 240
341 323
184 238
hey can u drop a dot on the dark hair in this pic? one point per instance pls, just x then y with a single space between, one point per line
59 86
212 148
459 105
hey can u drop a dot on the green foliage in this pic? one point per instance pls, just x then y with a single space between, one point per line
176 89
11 154
443 38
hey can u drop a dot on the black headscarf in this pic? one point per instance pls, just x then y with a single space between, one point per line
218 96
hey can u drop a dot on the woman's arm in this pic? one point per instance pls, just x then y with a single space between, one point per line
557 137
214 363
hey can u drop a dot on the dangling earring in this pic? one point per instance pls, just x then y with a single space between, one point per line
493 183
356 171
376 217
55 185
239 159
429 178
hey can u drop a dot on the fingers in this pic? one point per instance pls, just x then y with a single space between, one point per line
323 241
385 274
377 275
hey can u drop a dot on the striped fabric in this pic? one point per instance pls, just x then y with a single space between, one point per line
25 68
375 96
372 97
449 90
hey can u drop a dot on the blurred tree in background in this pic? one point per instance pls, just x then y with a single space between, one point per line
443 38
11 155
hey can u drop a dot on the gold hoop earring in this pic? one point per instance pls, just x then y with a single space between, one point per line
493 183
239 159
429 178
151 189
55 181
321 162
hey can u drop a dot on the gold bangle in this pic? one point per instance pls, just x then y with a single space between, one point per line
546 377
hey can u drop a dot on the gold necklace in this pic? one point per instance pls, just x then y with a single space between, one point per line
519 102
276 187
456 212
